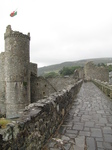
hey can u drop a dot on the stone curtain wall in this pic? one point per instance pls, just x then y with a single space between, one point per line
104 86
81 73
33 68
40 88
2 85
102 74
93 72
60 83
88 70
38 121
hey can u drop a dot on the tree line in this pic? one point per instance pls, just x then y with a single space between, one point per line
65 71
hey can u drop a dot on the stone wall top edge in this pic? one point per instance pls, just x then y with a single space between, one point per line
2 53
33 63
103 83
43 103
10 33
53 96
16 34
36 109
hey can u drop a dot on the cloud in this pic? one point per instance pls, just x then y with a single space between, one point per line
61 30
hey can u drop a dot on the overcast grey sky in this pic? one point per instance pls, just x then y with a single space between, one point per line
61 30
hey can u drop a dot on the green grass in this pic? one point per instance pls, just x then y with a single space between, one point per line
4 122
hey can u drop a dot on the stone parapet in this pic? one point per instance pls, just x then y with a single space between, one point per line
16 34
33 68
104 86
92 71
39 121
11 33
40 88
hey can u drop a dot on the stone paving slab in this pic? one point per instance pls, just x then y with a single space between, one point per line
88 125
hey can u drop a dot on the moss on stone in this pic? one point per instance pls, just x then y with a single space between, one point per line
3 122
25 84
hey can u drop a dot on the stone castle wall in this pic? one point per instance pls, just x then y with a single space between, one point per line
92 71
2 84
19 84
33 69
79 73
2 73
40 88
39 121
104 86
60 83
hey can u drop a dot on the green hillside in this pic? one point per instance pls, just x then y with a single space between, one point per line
57 67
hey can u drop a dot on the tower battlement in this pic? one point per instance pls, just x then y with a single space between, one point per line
11 33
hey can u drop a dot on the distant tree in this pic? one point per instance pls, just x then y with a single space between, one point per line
109 68
101 64
68 70
51 75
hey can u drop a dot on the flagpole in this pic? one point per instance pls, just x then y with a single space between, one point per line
16 9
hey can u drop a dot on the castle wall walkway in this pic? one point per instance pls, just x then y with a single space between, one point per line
88 125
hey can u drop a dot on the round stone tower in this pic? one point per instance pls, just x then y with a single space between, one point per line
17 74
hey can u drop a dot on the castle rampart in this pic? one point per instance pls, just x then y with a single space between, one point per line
33 69
40 88
39 121
104 86
11 33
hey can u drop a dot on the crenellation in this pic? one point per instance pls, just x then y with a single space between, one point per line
11 33
15 34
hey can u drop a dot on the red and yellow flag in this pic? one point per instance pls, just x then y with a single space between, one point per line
13 13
